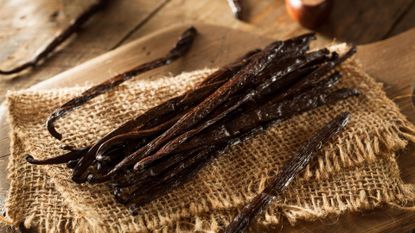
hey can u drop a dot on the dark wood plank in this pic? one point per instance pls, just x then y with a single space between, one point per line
98 36
363 22
20 23
406 22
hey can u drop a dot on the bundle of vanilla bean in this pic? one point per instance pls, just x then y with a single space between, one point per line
164 147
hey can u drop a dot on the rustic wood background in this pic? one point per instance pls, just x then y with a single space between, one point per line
27 25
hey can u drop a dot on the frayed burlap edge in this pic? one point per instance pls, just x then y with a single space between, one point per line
402 198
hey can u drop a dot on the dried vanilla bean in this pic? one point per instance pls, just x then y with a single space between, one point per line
182 102
168 185
71 163
73 28
166 123
291 169
64 158
246 122
230 69
192 166
143 186
319 52
310 77
209 85
328 66
170 146
181 47
157 169
285 110
276 112
135 135
261 62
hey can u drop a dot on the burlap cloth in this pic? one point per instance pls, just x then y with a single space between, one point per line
357 171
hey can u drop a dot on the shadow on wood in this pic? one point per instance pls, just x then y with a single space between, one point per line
362 22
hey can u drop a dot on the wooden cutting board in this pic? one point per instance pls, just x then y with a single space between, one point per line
391 61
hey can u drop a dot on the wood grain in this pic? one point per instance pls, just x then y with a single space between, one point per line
20 25
101 34
124 20
391 61
266 17
405 22
362 22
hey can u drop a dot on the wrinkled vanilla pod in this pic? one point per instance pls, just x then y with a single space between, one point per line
168 185
261 61
180 49
170 181
181 102
167 169
143 187
170 146
230 69
304 102
235 131
275 78
209 84
185 101
64 158
287 109
73 28
246 122
135 135
290 170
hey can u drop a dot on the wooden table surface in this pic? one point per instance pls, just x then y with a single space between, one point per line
27 25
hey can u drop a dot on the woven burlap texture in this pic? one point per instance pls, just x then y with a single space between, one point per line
356 171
